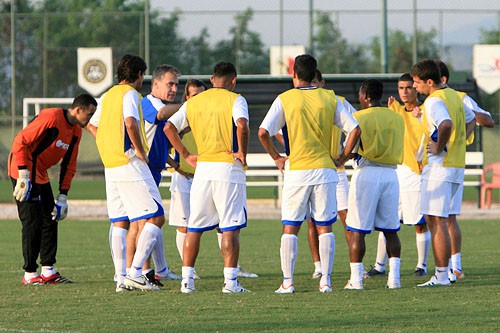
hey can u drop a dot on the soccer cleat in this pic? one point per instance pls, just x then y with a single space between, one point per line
452 277
34 281
351 286
434 282
459 273
236 289
246 274
288 290
187 286
196 276
139 283
317 275
153 278
120 288
169 276
55 278
393 285
325 289
420 272
373 272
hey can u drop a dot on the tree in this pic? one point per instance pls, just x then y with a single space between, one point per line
333 52
245 48
400 49
489 36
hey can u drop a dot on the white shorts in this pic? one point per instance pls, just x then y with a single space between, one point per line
409 196
133 200
179 200
217 204
342 190
318 200
373 200
456 200
438 197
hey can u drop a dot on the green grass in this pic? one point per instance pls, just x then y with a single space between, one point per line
91 304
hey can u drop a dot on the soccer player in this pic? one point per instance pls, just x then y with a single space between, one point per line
218 119
483 118
181 185
374 192
447 124
342 185
164 88
52 136
131 192
306 115
409 180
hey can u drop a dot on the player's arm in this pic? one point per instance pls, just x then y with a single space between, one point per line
347 123
242 135
444 134
92 130
134 132
273 121
267 143
174 125
483 118
167 111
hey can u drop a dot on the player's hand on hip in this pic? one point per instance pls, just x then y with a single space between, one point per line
240 156
23 186
280 163
61 208
192 159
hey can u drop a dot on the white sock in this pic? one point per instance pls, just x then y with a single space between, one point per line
423 245
381 253
317 266
48 271
356 273
230 276
456 262
179 241
119 250
29 275
394 267
288 254
326 253
442 274
219 239
158 255
187 272
110 235
145 245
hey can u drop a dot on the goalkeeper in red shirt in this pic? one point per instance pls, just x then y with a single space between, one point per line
51 137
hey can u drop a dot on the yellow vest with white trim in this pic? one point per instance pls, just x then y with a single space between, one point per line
110 138
455 155
210 116
309 115
382 135
470 139
413 135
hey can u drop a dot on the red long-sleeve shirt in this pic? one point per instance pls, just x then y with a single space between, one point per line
48 139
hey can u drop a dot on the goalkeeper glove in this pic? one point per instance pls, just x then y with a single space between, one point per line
23 185
61 208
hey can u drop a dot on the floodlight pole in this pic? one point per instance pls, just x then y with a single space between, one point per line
384 47
415 30
13 65
311 27
146 33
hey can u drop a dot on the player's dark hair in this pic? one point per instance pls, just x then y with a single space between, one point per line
406 77
319 76
443 69
225 69
192 83
373 89
305 67
84 101
163 69
130 67
426 70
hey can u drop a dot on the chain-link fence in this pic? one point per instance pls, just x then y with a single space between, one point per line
39 44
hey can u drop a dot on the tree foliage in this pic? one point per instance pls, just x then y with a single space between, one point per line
334 54
489 36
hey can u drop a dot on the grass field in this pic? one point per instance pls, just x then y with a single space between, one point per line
91 304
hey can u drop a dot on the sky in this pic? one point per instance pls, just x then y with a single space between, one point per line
359 20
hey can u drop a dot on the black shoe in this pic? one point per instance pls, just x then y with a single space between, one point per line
420 272
373 272
150 276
